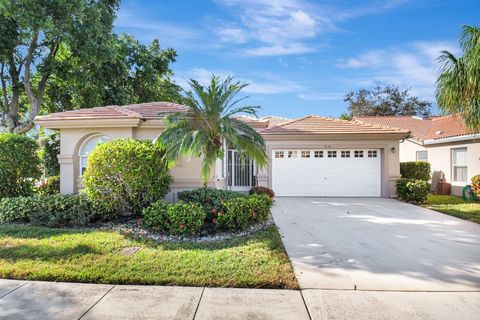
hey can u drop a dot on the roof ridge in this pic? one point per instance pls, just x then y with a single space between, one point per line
126 111
286 122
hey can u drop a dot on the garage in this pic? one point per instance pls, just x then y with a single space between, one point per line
327 172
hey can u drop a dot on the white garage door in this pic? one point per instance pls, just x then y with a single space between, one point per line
327 172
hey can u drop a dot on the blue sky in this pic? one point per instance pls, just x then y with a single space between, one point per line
301 57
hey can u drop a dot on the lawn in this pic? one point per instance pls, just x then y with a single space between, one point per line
454 206
38 253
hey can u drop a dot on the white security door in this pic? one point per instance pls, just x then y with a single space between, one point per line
327 172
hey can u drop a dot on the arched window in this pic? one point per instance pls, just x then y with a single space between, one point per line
86 148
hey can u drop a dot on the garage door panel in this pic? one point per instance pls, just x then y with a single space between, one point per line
327 176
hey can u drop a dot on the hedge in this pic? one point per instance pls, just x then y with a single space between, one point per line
411 190
19 165
240 213
417 170
262 190
49 152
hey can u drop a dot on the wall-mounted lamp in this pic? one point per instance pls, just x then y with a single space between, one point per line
393 149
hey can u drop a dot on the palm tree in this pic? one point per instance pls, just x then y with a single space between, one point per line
458 85
209 125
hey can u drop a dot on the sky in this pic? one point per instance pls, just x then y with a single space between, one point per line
301 57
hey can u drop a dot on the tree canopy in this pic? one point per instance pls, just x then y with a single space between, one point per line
59 55
384 100
458 85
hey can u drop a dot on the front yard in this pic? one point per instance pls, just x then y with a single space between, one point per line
38 253
454 206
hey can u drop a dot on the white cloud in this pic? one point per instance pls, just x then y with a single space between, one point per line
412 66
265 83
235 35
279 50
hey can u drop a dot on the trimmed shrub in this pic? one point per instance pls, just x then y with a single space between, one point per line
411 190
175 218
18 208
416 170
49 186
210 198
19 165
127 175
49 152
262 190
62 210
240 213
476 185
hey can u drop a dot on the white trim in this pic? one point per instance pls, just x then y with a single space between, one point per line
452 139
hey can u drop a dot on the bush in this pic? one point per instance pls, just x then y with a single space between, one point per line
412 190
62 210
416 170
174 218
18 208
49 186
127 175
240 213
210 198
49 152
19 165
476 185
262 190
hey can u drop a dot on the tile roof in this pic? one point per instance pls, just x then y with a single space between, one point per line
144 111
323 125
431 128
256 123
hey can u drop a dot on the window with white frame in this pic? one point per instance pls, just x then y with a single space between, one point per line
292 153
332 154
372 153
279 154
421 155
87 148
459 165
318 154
345 154
305 153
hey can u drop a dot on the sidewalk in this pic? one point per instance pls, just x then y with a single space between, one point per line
49 300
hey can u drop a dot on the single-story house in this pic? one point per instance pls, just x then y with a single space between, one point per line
309 156
444 141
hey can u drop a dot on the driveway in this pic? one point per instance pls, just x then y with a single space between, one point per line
377 244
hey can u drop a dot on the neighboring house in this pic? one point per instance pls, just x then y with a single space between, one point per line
444 141
310 156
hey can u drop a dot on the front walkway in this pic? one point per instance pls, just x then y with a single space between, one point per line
50 301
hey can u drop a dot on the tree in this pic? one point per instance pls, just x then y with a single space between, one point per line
131 73
32 32
384 100
210 124
458 85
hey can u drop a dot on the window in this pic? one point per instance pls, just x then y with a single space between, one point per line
372 153
292 154
421 155
318 154
332 154
86 148
279 154
345 154
305 154
358 153
459 165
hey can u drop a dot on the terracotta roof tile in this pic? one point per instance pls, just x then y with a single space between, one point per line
151 110
432 128
323 125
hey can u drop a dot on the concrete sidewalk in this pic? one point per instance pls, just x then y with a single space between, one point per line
50 300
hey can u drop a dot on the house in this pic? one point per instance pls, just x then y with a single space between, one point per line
444 141
309 156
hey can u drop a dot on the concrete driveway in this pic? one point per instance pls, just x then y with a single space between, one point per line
377 244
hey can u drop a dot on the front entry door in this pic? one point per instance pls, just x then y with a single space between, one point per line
241 171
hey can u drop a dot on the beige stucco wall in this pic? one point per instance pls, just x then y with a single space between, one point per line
408 150
186 173
440 158
390 159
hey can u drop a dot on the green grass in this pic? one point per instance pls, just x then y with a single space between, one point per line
37 253
454 206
